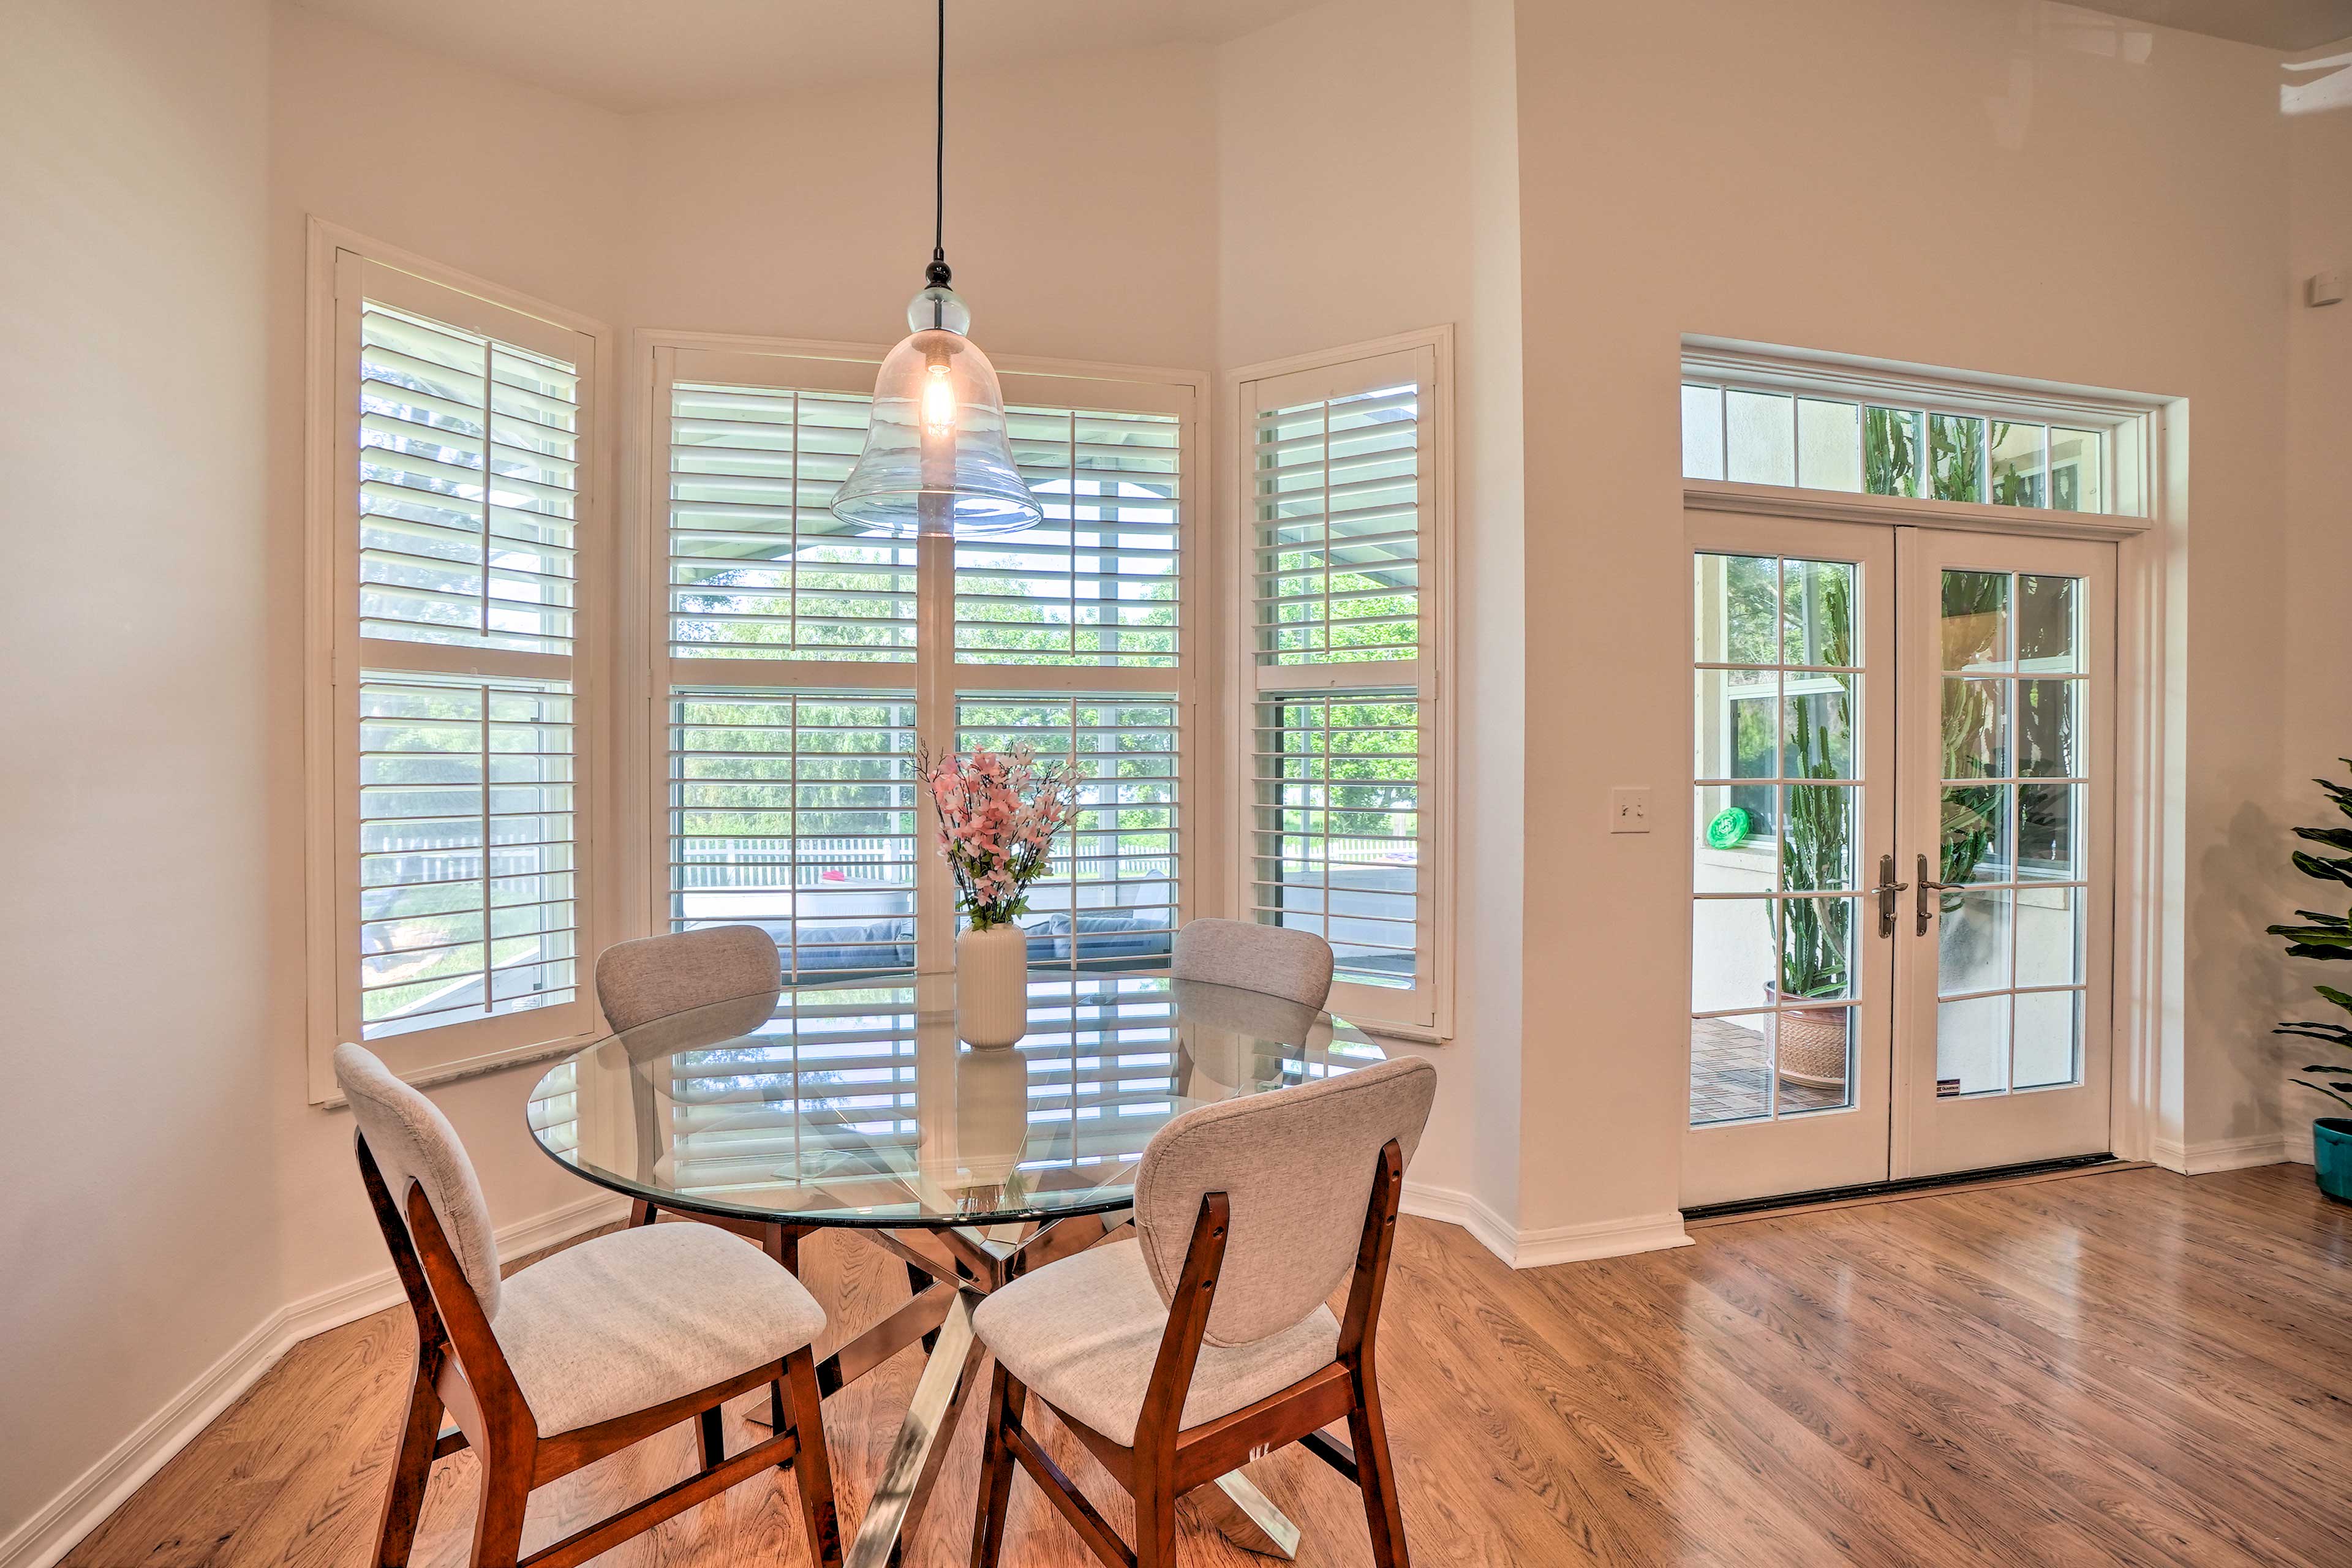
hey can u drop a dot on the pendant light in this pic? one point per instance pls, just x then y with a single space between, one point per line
936 460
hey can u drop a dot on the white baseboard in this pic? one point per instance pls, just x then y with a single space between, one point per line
2228 1154
1539 1248
1486 1228
84 1505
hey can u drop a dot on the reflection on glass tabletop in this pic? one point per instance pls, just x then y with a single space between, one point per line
855 1104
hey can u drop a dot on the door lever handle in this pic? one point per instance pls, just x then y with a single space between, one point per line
1929 888
1886 889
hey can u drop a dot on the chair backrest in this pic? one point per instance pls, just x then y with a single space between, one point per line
1273 959
1296 1168
413 1141
638 981
1225 1035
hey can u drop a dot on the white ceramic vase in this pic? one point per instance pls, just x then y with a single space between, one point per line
992 1115
992 985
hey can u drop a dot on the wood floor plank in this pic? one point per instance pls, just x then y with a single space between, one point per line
2133 1368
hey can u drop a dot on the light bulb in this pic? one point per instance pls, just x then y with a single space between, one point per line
939 400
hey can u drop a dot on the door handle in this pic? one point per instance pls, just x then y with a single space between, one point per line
1928 892
1886 889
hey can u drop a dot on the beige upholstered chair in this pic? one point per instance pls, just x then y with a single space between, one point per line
1207 1339
578 1355
1273 959
657 976
638 981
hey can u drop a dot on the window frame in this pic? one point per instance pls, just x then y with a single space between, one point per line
661 357
1424 1012
338 273
2134 473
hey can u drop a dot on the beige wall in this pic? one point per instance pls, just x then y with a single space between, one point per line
2318 673
1994 186
1081 217
510 183
136 1237
1365 186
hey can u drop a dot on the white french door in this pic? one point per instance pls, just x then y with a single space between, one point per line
1793 817
2002 960
1901 802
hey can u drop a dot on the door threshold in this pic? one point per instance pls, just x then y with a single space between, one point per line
1910 1187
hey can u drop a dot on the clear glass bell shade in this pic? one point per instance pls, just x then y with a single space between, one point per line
936 460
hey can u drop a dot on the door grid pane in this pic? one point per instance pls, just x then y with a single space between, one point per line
1775 819
2010 971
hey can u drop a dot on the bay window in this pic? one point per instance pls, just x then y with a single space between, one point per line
802 668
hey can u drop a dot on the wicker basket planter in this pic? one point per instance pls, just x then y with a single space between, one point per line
1812 1046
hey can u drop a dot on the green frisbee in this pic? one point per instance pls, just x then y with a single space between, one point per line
1729 827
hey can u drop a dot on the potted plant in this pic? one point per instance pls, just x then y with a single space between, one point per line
1816 854
998 813
2329 937
1815 939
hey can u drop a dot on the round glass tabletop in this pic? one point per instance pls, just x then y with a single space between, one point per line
855 1104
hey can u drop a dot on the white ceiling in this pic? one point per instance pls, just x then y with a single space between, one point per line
631 55
2288 24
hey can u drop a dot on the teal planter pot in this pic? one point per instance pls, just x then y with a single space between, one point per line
2331 1150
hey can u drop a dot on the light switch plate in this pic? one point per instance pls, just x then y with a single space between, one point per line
1628 809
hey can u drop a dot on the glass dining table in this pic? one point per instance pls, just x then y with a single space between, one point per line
853 1105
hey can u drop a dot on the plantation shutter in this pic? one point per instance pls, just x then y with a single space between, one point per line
463 449
1109 898
808 664
796 812
1343 643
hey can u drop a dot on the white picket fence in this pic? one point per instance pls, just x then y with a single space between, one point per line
739 864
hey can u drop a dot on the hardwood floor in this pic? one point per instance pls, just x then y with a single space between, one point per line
2131 1367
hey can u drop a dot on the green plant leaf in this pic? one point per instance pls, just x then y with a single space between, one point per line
2334 837
2341 998
2329 1033
2322 918
2322 936
2325 870
2306 950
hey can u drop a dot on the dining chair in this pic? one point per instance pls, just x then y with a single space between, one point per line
638 981
578 1355
1207 1339
1277 960
655 977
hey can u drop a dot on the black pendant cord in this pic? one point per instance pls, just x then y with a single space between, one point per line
938 272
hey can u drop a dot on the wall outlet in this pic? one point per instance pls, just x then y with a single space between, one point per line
1628 809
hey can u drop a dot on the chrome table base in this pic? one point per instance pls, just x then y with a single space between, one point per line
983 1262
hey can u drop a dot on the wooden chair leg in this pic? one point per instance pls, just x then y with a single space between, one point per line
1375 1474
498 1515
412 1468
813 1464
1005 1397
714 1438
642 1212
782 1243
1155 1522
